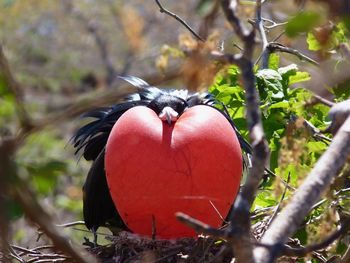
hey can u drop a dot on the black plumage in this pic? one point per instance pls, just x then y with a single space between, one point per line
91 139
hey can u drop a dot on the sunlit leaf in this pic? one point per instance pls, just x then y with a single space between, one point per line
312 42
299 77
274 61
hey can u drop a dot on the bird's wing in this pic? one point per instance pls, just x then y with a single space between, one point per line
98 206
92 137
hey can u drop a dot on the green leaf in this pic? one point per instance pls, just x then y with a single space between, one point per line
346 22
204 7
45 175
316 146
13 209
299 77
312 42
340 33
264 198
288 71
303 22
274 61
270 82
279 105
65 202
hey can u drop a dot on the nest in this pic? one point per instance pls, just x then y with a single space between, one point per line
127 247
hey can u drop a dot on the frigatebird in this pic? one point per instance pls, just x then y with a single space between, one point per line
90 140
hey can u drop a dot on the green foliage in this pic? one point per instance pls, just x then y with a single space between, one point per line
284 107
302 22
333 39
204 7
13 209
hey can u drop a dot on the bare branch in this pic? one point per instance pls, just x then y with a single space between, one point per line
199 226
163 10
278 207
239 229
346 256
209 19
229 8
92 100
307 195
38 215
323 100
303 251
16 90
276 47
7 147
338 114
259 23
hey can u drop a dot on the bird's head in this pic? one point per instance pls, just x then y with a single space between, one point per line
168 107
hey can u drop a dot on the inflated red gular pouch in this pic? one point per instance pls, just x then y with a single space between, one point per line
155 169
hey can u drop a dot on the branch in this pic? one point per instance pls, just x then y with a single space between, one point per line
200 227
208 21
6 149
303 251
307 195
91 100
16 90
259 23
323 100
229 8
239 229
276 47
163 10
39 216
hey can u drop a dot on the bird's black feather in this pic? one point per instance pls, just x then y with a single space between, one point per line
98 207
91 139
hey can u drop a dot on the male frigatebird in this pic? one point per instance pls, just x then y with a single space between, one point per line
99 139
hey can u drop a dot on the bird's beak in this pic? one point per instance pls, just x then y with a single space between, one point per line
169 115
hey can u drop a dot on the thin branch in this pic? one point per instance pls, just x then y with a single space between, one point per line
70 224
303 251
163 10
14 88
276 47
323 100
208 21
201 227
38 215
91 100
346 256
229 8
277 209
259 23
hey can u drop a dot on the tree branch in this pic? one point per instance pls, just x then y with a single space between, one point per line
16 90
239 229
163 10
307 194
303 251
39 216
276 47
259 23
229 8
